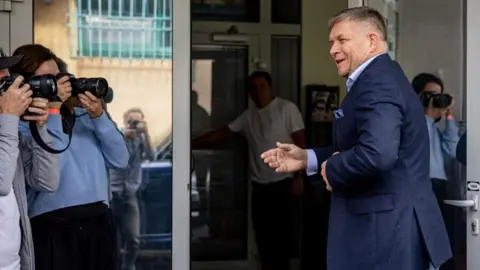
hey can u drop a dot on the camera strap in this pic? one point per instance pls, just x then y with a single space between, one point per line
67 128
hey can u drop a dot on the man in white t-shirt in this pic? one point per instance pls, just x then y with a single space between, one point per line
272 120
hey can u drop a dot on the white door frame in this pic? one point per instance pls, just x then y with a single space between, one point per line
473 126
181 135
16 26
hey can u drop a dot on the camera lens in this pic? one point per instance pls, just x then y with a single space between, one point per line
100 85
97 86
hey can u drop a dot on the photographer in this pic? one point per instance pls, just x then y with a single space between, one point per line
73 228
126 183
23 164
443 143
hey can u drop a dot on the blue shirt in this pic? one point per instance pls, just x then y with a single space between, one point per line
96 145
312 162
443 145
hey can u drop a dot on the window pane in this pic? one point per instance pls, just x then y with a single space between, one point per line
220 182
286 11
286 67
124 29
226 10
129 43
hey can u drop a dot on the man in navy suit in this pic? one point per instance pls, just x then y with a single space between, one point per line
383 214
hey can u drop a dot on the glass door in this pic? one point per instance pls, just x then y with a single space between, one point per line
219 185
143 50
472 184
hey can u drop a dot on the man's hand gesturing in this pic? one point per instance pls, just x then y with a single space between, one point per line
286 158
16 99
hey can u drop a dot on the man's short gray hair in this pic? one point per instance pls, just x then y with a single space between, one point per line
361 14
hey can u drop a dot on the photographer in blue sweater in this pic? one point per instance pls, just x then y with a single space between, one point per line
73 227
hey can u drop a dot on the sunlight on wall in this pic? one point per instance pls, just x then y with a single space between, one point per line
146 84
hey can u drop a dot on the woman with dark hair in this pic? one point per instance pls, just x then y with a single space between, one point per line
72 227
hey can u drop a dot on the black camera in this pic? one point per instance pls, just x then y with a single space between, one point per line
97 86
133 124
439 100
42 86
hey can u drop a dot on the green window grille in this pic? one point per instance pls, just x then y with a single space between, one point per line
124 28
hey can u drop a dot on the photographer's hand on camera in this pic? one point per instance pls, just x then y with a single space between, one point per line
435 113
450 109
38 110
64 92
16 99
142 127
92 104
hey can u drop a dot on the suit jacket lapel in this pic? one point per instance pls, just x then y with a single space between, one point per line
379 59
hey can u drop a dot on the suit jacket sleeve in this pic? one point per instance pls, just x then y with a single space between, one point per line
379 118
323 153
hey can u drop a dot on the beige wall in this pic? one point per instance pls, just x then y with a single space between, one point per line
137 83
317 65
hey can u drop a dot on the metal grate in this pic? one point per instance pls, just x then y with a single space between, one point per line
124 28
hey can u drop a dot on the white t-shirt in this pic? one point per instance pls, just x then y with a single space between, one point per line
10 232
263 128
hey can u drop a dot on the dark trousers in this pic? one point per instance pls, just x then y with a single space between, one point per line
316 210
127 218
75 238
440 190
272 222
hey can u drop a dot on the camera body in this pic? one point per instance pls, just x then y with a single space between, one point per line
97 86
42 86
439 100
133 124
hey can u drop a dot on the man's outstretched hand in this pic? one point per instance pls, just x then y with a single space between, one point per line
286 158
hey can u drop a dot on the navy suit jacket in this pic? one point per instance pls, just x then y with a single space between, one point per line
383 213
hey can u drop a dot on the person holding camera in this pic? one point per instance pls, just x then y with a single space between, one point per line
127 183
73 227
443 143
23 164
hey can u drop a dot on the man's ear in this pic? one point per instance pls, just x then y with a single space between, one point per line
375 40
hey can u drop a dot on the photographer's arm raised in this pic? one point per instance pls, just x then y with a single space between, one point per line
112 142
8 151
41 168
13 103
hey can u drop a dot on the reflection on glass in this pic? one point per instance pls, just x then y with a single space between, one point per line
226 10
129 43
219 182
286 11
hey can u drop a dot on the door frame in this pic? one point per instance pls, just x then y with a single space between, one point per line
252 45
181 69
16 26
473 110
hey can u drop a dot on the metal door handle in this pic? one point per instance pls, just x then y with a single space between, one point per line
473 203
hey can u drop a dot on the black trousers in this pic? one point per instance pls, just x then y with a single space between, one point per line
272 222
440 190
316 210
75 238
